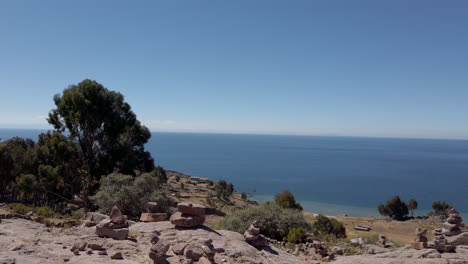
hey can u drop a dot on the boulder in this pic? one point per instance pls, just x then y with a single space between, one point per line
153 207
116 216
153 217
191 209
106 229
117 255
460 239
178 249
158 252
253 237
193 252
184 220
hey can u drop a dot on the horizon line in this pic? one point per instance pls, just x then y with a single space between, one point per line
271 134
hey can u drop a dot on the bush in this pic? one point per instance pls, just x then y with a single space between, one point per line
287 200
224 189
273 220
325 227
78 214
395 208
243 196
296 234
129 194
17 208
45 211
441 208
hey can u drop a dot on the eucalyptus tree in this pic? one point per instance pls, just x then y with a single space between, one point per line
107 133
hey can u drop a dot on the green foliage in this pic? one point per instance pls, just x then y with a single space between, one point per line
296 235
274 221
395 208
441 208
78 214
106 131
287 200
26 185
182 186
129 194
224 189
17 208
325 227
45 211
412 205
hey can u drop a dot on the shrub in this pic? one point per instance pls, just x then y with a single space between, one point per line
243 196
129 194
296 234
395 208
325 227
441 208
273 220
287 200
224 189
78 214
17 208
45 211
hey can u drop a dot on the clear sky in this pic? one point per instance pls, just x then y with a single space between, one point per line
361 68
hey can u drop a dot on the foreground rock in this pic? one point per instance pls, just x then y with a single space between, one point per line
115 227
409 256
39 244
253 237
153 213
189 215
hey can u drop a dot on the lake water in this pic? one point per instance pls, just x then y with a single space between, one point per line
329 175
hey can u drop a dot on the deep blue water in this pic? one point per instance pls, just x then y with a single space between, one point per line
330 175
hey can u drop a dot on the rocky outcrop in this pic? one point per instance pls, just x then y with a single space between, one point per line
409 256
115 227
153 213
188 215
440 242
452 224
253 237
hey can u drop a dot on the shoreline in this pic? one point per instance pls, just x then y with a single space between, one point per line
337 210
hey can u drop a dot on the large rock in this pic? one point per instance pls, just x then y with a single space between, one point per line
153 217
116 216
184 220
253 237
158 252
191 209
115 227
106 228
461 239
153 207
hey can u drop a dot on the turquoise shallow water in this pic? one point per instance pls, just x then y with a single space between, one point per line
329 175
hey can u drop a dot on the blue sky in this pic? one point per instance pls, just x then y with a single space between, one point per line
358 68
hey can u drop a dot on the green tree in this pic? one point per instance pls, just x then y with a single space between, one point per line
26 185
441 208
395 208
224 189
287 200
412 205
58 171
109 137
